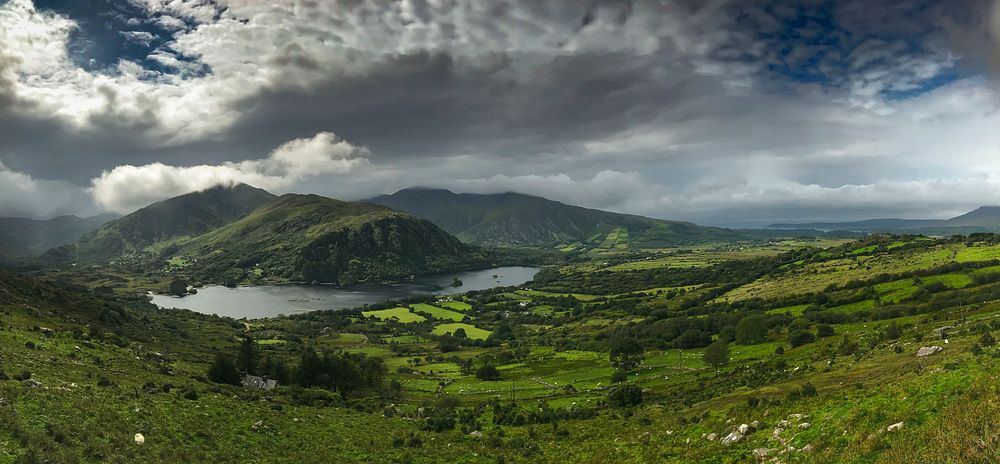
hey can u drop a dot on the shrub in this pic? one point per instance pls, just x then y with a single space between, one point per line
825 330
488 372
624 396
808 389
800 337
224 370
190 393
619 376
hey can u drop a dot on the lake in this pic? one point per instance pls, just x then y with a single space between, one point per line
273 300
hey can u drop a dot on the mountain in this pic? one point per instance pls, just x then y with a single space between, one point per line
313 238
184 216
23 237
982 219
514 219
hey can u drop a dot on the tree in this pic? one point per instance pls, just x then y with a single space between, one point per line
626 354
751 330
488 372
456 282
800 337
248 357
825 330
626 395
224 370
178 287
717 354
987 339
459 333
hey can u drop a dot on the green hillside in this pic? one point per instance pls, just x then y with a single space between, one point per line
810 355
184 216
513 219
313 238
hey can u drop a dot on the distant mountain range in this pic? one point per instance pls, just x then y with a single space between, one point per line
23 237
514 219
983 219
227 234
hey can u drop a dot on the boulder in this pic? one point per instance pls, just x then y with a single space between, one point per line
711 436
743 429
807 449
31 383
805 425
476 434
140 439
733 437
761 453
928 350
895 427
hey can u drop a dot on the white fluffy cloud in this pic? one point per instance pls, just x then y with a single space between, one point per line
127 188
700 110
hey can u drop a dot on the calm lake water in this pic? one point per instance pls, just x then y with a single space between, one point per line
273 300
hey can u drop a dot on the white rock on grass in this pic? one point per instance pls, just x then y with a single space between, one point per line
711 436
895 427
743 429
761 453
733 437
928 350
805 425
140 439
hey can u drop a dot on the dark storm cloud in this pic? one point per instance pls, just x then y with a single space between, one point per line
721 111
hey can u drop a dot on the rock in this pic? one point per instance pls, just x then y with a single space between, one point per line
761 453
807 449
777 432
755 425
795 417
928 350
938 332
743 429
476 434
895 427
783 424
805 425
711 436
31 383
733 437
257 425
140 439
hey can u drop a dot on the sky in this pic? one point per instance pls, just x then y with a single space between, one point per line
722 112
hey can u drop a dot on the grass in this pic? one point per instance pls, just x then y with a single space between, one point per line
471 331
437 313
456 305
795 310
400 314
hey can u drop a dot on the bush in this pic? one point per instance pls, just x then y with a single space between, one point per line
190 394
619 376
104 382
224 370
808 389
488 372
825 330
24 375
800 337
624 396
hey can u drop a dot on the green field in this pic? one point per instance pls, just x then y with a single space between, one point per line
399 314
471 331
455 305
437 313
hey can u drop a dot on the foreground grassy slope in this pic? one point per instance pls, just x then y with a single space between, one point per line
828 397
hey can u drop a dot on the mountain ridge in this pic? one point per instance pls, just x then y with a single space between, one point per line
981 219
517 219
